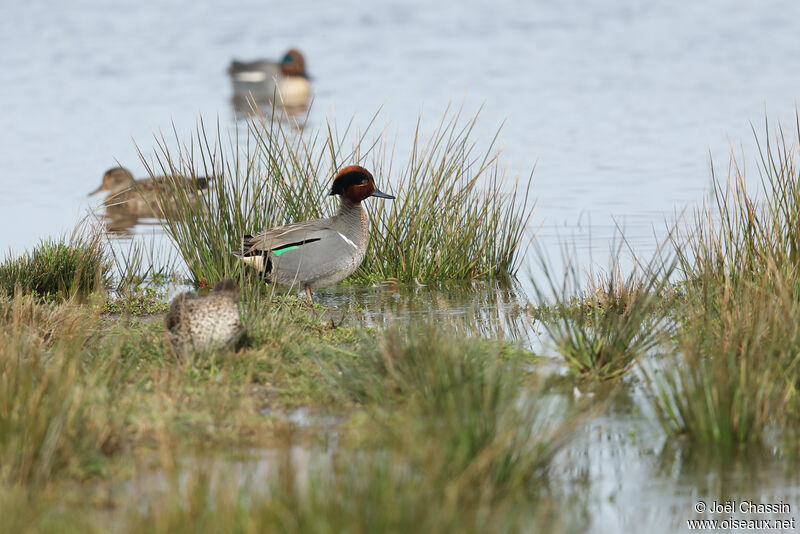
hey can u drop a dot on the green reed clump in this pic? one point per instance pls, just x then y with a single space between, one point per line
429 362
56 397
464 401
455 216
602 333
59 268
744 232
736 370
736 376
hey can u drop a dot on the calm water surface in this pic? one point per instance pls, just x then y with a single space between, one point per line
620 104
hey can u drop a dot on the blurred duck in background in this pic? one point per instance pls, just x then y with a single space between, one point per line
130 200
284 83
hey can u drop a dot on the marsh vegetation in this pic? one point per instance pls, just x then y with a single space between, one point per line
341 418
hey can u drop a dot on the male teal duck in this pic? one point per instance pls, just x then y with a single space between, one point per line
265 80
140 197
205 323
321 252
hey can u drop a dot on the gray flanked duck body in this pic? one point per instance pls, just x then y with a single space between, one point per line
321 252
205 323
264 81
141 197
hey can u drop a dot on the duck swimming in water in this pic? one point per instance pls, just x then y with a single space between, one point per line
284 81
141 197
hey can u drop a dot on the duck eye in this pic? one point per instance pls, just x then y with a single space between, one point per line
364 181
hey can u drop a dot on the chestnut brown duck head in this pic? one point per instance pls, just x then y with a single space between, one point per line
293 64
356 183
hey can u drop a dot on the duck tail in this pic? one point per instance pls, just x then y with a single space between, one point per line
258 259
248 244
245 249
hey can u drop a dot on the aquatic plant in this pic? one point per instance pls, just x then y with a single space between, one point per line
59 268
455 440
601 333
456 215
744 232
737 375
464 401
735 370
352 492
139 301
467 431
139 262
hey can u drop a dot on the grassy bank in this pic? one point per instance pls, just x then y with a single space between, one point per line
437 422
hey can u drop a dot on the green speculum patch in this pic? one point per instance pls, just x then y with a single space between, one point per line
282 250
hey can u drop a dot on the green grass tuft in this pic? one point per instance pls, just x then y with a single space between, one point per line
56 410
140 301
465 402
58 268
602 333
735 372
736 376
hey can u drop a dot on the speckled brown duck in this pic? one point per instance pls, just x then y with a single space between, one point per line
208 323
321 252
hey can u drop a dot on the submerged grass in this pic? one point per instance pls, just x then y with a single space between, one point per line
464 404
355 492
601 334
452 219
360 492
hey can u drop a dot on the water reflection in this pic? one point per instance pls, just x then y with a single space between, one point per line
473 309
754 474
120 221
245 107
632 475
